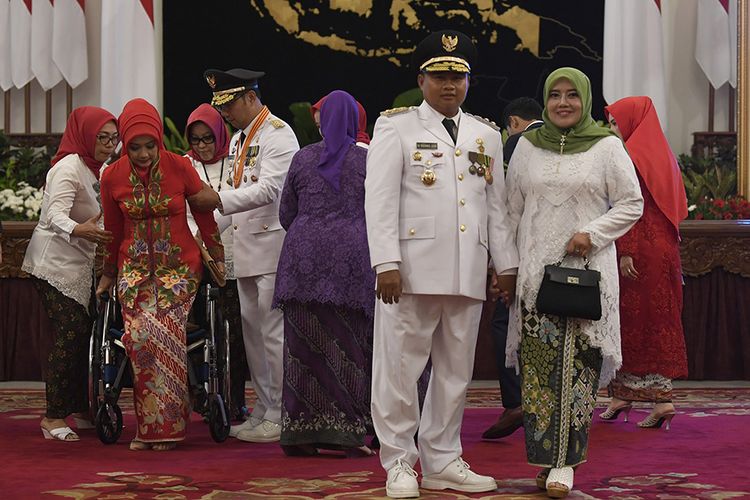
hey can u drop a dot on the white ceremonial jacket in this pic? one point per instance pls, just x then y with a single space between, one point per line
439 235
254 205
65 261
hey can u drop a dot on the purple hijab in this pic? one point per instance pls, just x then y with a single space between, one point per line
338 124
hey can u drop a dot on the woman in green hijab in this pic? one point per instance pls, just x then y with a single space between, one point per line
572 191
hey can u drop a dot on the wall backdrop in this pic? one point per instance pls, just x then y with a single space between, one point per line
308 48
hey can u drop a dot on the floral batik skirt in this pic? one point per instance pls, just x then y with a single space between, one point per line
327 374
651 388
560 377
154 339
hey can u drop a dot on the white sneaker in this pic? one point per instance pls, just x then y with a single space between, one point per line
266 432
248 424
458 476
402 481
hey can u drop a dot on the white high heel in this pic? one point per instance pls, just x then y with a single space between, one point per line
559 482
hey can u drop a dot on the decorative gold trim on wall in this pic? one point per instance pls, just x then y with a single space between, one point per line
743 91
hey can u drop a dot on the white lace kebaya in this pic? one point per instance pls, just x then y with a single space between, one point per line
553 196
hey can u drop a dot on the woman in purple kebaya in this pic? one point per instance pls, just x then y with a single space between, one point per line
325 286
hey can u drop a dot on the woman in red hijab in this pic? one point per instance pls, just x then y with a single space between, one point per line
209 148
362 139
157 265
60 257
653 343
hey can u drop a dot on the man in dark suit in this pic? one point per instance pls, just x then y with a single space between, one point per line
519 115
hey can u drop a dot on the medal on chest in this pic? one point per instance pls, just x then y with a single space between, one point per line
428 177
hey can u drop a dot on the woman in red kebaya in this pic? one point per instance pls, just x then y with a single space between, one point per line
156 266
653 343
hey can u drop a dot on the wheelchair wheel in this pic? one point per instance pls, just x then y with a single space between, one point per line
95 374
225 371
218 418
109 423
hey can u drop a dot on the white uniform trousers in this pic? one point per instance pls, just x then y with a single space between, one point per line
445 328
263 334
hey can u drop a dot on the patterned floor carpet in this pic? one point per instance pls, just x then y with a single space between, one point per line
703 456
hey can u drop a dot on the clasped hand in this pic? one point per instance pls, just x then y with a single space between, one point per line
502 287
579 245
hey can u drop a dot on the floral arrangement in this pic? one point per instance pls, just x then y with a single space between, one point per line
22 203
22 173
734 207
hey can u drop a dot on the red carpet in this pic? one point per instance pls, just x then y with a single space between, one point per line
703 456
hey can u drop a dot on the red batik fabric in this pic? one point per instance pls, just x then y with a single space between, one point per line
653 341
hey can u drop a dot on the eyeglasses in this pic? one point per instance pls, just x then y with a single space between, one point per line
206 139
105 139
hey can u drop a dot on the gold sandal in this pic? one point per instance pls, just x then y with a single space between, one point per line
164 446
137 445
541 479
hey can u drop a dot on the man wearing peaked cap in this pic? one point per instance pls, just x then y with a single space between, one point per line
445 51
435 206
231 84
259 156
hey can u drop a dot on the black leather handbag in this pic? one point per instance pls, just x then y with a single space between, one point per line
570 292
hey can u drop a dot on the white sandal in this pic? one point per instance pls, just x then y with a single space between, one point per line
559 482
60 433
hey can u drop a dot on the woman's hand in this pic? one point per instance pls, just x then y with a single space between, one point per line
579 245
627 269
105 285
389 286
90 231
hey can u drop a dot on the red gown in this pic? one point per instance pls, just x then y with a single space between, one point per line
653 341
158 267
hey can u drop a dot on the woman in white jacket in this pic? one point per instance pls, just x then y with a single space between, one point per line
60 257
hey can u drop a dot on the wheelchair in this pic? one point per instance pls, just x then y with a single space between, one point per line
209 380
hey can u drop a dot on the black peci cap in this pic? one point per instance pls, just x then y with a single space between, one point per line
228 85
446 50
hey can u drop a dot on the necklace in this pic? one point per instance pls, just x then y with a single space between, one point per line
221 175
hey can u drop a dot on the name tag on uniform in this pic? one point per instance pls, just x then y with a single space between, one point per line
427 145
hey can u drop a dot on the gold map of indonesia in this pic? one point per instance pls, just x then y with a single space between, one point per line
408 15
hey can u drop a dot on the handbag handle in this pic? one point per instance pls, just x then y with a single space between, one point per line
585 261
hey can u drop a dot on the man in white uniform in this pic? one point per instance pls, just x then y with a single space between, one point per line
259 153
435 205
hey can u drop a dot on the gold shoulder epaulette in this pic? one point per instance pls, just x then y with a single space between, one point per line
487 122
396 111
277 123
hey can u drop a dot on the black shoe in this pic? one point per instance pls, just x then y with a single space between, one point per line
510 421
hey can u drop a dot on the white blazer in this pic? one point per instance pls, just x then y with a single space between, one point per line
65 261
437 235
254 205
